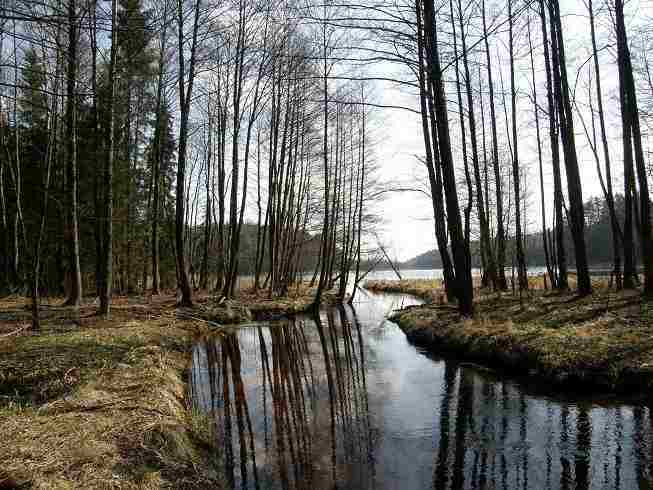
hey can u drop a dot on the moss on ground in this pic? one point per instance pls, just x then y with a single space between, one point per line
91 403
600 342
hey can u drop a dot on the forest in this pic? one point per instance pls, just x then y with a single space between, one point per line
153 146
201 202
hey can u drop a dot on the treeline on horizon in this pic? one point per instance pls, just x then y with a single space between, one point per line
600 252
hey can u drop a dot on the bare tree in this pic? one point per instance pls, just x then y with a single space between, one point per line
185 97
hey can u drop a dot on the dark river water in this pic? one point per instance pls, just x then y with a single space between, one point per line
344 401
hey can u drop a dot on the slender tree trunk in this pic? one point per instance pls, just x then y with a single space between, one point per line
98 229
107 276
574 187
185 97
49 157
632 118
160 132
545 241
519 244
486 248
463 274
501 234
614 222
561 259
204 269
325 149
72 229
467 212
432 161
361 183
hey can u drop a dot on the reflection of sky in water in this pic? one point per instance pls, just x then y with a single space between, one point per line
403 419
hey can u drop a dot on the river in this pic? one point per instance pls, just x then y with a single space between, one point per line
344 401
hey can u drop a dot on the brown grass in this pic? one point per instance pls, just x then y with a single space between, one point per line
89 403
603 341
250 304
430 290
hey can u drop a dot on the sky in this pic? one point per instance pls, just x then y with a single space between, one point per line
408 220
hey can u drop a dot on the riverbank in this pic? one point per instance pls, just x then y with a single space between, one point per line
93 403
603 342
251 305
89 403
429 290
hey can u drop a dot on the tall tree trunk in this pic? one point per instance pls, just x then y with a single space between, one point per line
467 212
160 132
204 269
545 241
626 79
361 182
325 149
501 234
433 161
72 229
463 274
107 276
519 244
185 94
49 157
574 187
486 247
561 259
614 221
98 230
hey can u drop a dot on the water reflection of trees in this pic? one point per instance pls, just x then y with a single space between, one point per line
291 404
305 383
490 436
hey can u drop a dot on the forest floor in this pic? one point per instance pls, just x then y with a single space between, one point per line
93 403
598 343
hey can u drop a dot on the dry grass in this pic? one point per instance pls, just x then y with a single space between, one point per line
88 403
603 341
256 304
430 290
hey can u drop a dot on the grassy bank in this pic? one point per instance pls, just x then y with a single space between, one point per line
603 342
257 305
88 403
430 290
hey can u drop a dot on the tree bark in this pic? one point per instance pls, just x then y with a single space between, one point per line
633 145
486 248
462 267
519 244
107 275
502 284
72 226
561 259
614 221
574 187
545 241
432 162
185 94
